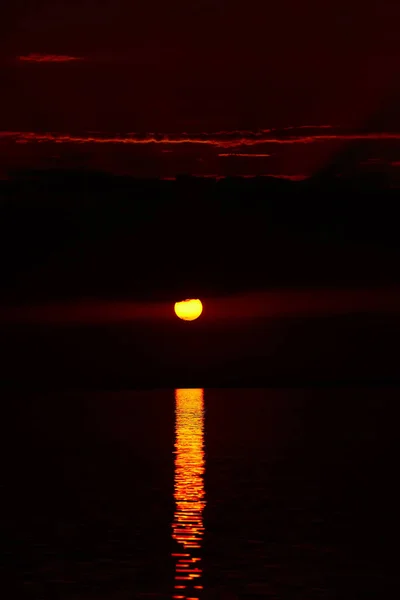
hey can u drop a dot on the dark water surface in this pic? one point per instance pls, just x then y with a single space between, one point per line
199 494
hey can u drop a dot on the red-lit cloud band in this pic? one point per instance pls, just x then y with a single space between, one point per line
223 139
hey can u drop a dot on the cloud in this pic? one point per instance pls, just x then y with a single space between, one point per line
48 58
243 155
225 140
298 177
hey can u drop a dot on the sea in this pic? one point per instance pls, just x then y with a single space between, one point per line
200 493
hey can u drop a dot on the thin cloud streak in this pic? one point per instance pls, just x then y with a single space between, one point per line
243 155
307 127
298 177
48 58
218 140
289 177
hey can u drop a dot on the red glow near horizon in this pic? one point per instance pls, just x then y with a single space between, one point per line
312 302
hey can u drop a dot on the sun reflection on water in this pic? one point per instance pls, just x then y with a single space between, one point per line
187 527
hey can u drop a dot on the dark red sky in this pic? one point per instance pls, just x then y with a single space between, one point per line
200 65
85 68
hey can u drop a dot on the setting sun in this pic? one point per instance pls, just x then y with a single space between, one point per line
188 310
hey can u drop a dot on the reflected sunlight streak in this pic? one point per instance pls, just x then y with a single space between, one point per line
189 493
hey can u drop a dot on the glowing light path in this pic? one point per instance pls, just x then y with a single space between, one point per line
189 494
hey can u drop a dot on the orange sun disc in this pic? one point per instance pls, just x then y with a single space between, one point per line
188 310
